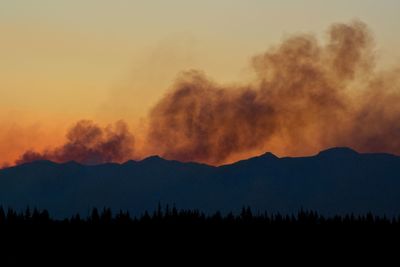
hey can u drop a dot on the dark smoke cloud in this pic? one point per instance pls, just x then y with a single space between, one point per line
306 96
88 143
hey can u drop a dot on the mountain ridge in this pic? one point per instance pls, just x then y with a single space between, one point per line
334 181
335 151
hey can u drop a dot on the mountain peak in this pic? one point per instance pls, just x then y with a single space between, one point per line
154 158
338 152
268 155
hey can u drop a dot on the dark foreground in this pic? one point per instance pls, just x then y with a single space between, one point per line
187 237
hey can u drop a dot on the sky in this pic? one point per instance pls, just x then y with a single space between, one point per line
66 60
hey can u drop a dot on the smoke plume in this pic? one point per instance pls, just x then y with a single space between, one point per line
88 143
307 96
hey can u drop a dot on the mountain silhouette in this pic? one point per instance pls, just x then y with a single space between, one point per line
335 181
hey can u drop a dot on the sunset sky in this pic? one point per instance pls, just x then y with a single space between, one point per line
66 60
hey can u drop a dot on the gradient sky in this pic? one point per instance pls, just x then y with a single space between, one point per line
64 60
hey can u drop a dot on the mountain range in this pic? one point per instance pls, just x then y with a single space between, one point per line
335 181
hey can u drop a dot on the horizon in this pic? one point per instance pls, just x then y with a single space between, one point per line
267 153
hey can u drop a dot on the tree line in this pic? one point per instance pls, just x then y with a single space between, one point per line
173 216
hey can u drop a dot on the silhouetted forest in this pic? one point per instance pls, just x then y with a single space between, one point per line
173 216
103 237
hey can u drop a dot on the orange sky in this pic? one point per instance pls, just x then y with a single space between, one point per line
62 61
